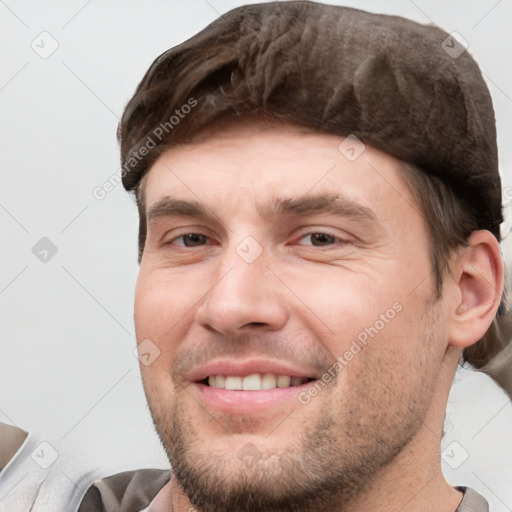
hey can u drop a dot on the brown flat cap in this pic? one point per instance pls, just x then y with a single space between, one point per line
408 89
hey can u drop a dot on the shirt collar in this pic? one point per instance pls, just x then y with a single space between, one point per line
12 440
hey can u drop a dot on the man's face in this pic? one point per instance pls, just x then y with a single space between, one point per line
304 277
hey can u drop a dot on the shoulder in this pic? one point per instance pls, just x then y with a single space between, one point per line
130 491
472 501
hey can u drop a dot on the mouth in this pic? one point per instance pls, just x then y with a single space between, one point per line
250 387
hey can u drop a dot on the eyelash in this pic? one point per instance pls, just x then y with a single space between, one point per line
309 233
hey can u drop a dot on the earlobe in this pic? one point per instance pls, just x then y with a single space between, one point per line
478 272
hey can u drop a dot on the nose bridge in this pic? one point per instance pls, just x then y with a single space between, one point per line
244 269
245 293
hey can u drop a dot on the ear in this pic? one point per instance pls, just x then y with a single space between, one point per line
478 285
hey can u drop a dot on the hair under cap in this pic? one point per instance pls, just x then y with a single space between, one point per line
405 88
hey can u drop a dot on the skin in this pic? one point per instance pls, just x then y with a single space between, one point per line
370 438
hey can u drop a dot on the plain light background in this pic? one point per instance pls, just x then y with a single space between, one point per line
67 369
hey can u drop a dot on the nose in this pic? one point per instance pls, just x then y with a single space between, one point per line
244 296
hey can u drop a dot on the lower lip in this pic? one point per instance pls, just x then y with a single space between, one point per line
247 402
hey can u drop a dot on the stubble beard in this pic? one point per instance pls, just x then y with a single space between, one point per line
330 465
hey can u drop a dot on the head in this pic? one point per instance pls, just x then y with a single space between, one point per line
296 222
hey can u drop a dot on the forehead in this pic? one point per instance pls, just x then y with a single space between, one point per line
259 162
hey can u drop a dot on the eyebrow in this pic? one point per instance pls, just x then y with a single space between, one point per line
324 203
278 207
171 207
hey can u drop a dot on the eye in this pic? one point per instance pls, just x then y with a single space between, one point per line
190 240
320 239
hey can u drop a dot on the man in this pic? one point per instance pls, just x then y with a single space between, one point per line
320 207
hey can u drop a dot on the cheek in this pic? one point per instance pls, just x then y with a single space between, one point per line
160 322
391 381
375 320
163 305
408 352
341 303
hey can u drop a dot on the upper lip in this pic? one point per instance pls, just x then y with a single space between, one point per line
243 368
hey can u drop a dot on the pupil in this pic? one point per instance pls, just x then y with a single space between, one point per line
193 238
321 238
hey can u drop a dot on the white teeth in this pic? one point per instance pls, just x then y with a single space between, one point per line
233 383
283 381
269 381
254 382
